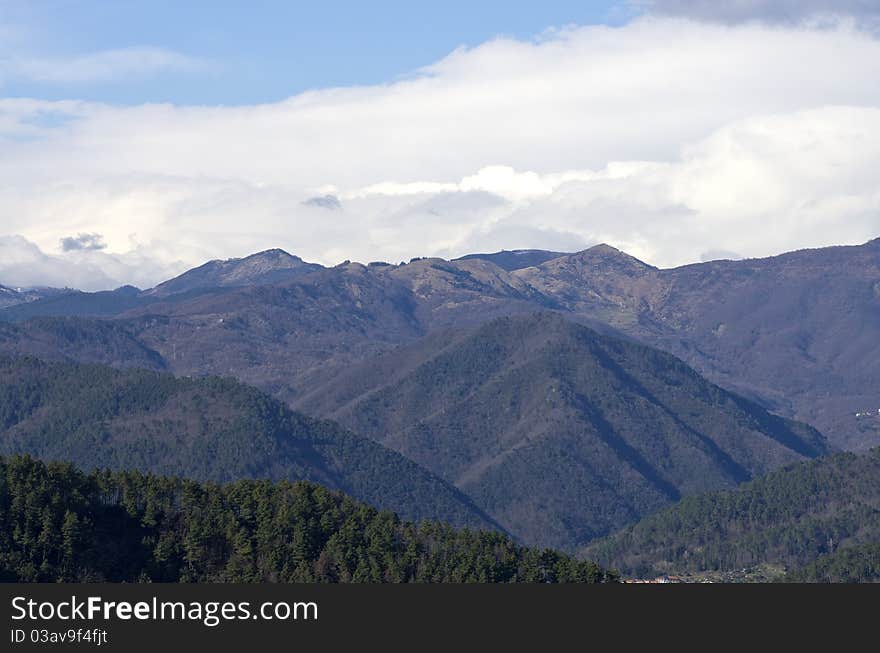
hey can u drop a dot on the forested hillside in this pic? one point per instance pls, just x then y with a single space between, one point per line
560 433
86 340
59 524
855 564
206 429
787 519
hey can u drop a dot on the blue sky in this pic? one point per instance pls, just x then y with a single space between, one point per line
266 50
140 138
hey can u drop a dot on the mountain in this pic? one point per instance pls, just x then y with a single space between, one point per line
11 297
560 433
270 266
286 337
278 337
515 259
602 282
76 303
14 296
789 519
58 524
798 333
205 429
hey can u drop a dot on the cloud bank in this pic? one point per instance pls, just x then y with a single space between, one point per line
671 138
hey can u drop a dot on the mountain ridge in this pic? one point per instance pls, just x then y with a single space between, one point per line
797 332
265 267
485 408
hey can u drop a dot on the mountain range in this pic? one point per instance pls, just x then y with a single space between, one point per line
798 333
555 396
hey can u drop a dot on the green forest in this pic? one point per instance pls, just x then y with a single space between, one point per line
58 523
205 429
816 519
856 564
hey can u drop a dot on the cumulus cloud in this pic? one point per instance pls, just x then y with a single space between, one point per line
668 138
24 264
83 241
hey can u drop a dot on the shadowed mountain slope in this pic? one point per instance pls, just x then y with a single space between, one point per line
558 432
206 429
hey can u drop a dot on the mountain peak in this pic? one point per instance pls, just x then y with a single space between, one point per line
600 258
605 250
273 254
261 268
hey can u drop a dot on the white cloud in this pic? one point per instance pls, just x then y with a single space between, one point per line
758 186
666 137
24 264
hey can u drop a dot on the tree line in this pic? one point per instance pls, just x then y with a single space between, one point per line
58 523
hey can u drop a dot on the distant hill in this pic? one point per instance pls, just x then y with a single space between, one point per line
15 296
77 303
558 432
809 515
9 297
59 524
206 429
516 259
